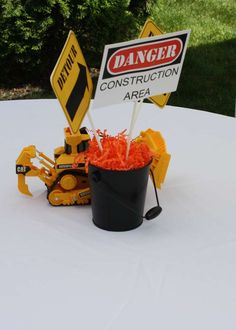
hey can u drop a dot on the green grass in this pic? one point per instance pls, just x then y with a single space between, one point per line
208 79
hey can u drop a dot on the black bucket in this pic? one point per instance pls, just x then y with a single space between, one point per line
118 197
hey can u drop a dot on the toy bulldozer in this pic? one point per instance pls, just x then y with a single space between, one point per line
66 181
66 176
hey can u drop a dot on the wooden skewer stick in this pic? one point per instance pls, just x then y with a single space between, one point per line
135 113
94 130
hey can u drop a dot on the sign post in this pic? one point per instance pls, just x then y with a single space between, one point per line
72 83
141 68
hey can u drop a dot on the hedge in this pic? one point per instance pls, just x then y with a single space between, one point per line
33 33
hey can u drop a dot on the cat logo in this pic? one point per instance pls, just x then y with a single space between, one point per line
150 30
72 83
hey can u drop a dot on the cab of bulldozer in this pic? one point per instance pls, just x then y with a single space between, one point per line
73 143
76 143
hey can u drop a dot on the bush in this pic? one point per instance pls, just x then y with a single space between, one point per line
33 33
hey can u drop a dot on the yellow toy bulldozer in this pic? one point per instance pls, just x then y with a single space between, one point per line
66 181
66 178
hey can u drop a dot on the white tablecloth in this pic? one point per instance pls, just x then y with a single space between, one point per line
178 272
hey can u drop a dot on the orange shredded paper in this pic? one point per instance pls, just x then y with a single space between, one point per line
113 155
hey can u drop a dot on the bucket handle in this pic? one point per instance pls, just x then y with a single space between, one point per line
104 187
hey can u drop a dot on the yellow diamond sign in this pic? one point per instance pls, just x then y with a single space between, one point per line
150 30
72 83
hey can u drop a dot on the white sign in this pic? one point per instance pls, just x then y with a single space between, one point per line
141 68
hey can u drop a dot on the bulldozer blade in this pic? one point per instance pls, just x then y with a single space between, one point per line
159 169
22 186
